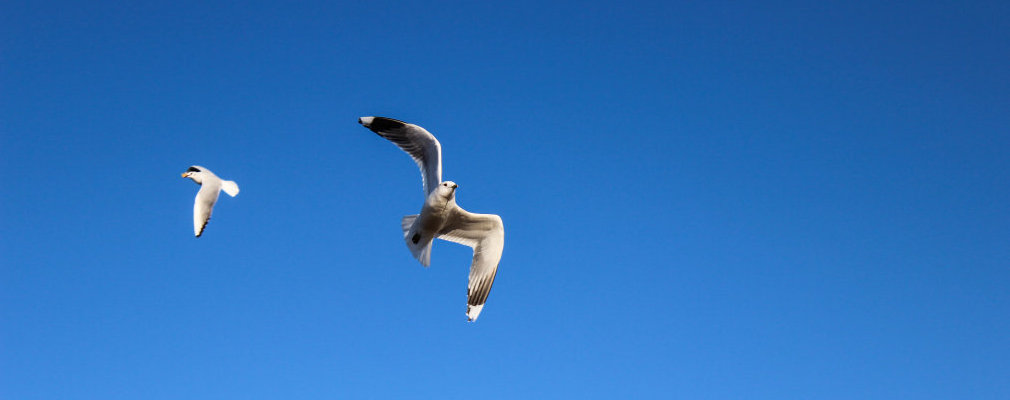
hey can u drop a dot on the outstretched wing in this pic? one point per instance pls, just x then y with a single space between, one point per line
486 235
203 206
417 142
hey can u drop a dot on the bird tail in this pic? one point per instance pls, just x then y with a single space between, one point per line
420 250
230 187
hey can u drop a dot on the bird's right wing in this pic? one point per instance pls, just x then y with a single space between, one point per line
417 142
485 233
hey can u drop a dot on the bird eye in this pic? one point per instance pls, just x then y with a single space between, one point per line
192 169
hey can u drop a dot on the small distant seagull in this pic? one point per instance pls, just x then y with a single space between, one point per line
210 187
440 217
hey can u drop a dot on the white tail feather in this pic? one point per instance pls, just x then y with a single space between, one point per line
406 223
420 250
230 187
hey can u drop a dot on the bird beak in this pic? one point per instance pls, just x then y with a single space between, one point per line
455 186
184 174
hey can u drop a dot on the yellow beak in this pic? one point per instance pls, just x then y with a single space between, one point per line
183 174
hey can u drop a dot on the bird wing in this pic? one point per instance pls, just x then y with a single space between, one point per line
420 144
204 205
486 235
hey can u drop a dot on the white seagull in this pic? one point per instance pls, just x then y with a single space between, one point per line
210 187
440 217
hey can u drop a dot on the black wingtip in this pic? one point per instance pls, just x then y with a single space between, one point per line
384 124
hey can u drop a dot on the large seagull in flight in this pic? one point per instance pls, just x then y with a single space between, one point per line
440 217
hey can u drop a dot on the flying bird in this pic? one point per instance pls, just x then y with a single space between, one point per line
210 187
440 216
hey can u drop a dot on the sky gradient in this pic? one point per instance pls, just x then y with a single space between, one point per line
701 201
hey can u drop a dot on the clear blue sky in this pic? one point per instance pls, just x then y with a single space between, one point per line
751 201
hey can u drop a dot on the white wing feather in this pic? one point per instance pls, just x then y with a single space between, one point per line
485 233
204 205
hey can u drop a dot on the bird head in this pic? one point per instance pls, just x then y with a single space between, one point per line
447 189
195 173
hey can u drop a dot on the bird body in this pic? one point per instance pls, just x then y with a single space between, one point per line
421 229
210 187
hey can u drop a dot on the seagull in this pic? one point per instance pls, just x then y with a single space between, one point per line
440 216
210 187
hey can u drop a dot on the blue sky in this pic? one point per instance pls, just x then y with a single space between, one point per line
701 201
